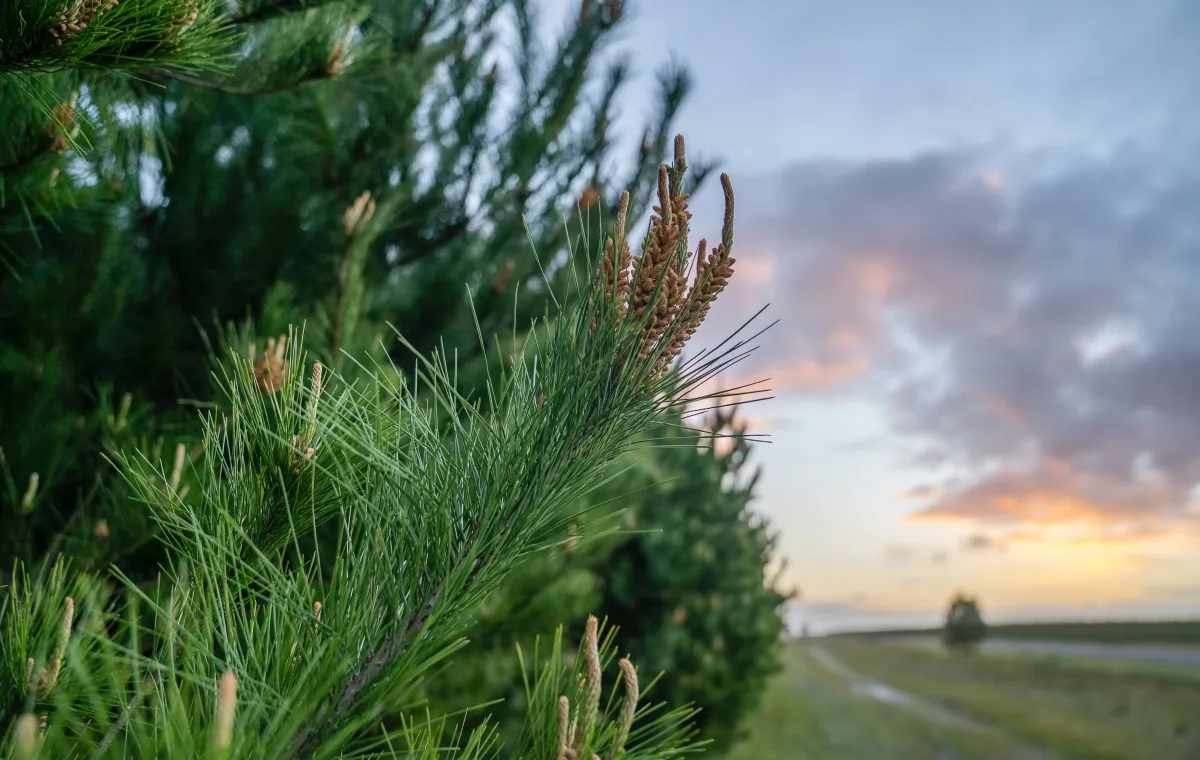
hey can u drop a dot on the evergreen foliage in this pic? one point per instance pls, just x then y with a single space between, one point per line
168 36
159 203
688 590
181 207
675 558
964 629
254 645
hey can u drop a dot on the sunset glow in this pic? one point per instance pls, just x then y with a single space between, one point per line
985 369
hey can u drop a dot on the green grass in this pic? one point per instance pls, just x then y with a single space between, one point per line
1089 663
810 713
1160 632
1185 632
1024 707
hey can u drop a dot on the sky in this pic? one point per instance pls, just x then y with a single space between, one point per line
979 228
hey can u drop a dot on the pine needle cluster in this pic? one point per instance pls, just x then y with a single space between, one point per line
38 36
253 644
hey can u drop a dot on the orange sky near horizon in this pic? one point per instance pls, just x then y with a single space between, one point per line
884 559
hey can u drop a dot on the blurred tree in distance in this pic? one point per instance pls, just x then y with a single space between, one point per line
964 629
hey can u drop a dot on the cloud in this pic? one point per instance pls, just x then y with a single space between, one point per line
900 554
1050 493
814 375
904 554
979 542
921 491
1034 339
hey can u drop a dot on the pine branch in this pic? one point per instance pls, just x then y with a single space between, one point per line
38 36
339 305
26 161
395 647
268 11
231 88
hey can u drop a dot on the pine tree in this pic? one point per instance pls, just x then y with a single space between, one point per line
688 591
193 198
233 190
667 550
248 647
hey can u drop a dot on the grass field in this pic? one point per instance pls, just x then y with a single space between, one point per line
849 699
1152 632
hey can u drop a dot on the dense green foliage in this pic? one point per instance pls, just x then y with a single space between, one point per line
253 645
165 36
355 167
200 206
677 564
688 591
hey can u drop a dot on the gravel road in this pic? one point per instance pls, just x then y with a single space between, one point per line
1152 653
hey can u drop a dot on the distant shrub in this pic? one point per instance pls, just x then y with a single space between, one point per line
964 628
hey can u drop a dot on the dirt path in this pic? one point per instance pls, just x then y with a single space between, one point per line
868 688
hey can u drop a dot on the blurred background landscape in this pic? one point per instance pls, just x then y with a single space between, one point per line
977 226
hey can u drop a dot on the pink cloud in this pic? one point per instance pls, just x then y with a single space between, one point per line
1026 326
